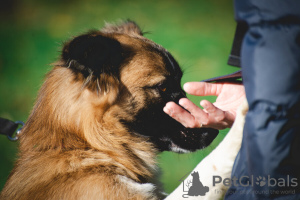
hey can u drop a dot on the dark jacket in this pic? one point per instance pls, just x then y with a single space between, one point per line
268 164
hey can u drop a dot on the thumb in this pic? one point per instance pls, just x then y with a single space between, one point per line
203 88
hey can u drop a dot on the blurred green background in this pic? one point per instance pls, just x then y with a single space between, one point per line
198 33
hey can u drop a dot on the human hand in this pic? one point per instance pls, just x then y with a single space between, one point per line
219 115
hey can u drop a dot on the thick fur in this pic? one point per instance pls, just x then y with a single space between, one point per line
219 162
98 121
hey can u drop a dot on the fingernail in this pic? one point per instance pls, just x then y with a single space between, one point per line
203 104
168 111
182 104
185 86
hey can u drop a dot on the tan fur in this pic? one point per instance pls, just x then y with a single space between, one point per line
131 29
74 146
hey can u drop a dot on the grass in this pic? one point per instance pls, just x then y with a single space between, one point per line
198 33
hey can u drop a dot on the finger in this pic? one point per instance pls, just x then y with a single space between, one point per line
209 107
179 114
202 88
222 119
214 113
201 117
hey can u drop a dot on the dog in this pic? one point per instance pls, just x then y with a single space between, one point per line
98 121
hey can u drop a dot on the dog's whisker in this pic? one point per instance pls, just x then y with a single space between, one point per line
90 71
87 81
98 87
105 88
70 63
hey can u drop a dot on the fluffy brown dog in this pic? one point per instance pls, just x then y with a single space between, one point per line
98 121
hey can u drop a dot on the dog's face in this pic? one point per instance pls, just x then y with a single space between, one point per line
133 78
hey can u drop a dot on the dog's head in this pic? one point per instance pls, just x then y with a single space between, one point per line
127 79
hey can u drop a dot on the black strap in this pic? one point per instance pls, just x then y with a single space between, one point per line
8 128
234 57
235 54
227 78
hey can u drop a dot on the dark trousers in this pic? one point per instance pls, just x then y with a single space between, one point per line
268 164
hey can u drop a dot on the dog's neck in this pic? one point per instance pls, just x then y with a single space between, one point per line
136 162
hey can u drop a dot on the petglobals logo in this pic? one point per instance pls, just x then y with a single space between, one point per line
192 186
245 181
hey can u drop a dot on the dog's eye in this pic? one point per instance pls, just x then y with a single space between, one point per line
162 87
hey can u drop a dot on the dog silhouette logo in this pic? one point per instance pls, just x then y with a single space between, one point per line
193 186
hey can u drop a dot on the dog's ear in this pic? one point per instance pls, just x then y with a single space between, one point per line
127 27
94 54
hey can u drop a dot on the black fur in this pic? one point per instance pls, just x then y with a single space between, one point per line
93 54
